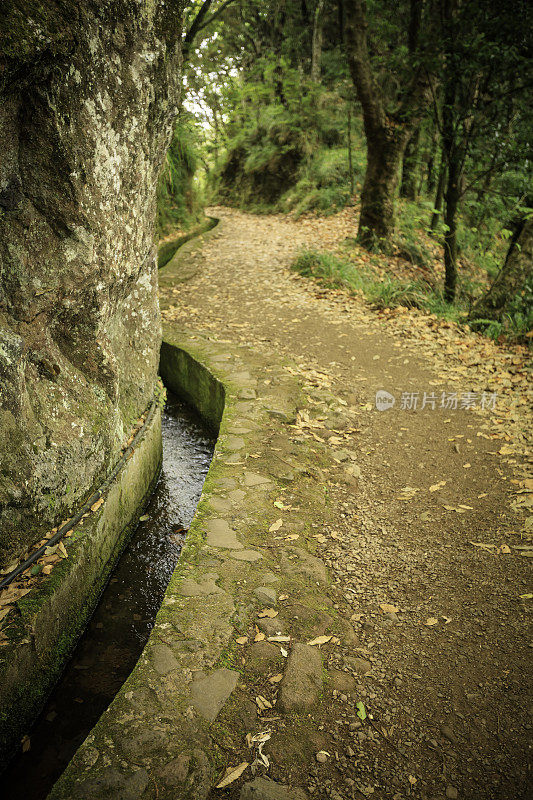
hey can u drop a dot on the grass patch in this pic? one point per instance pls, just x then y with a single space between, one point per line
388 292
334 272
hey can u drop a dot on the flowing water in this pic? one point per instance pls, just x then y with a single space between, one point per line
117 632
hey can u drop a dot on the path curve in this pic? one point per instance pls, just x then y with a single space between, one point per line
439 619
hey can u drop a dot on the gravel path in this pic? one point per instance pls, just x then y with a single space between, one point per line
430 534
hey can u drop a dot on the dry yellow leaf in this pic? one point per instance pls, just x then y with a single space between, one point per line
276 526
320 640
387 607
431 621
262 703
268 612
242 640
231 774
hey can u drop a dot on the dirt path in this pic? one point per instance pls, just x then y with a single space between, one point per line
441 623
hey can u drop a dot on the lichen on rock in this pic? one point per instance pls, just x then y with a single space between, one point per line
88 92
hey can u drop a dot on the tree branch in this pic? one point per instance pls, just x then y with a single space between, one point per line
215 14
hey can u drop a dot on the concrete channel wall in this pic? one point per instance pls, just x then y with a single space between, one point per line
52 616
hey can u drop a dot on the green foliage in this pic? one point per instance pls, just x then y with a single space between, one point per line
389 292
516 323
179 199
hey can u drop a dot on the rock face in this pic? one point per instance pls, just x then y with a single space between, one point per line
88 92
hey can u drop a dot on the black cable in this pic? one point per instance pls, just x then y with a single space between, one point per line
83 510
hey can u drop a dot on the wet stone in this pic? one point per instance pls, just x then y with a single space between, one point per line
246 555
269 577
254 479
263 651
270 627
359 665
192 767
296 561
190 588
219 534
227 483
112 783
208 695
234 443
247 394
163 659
341 681
265 789
302 682
282 416
266 595
233 458
219 505
236 496
143 743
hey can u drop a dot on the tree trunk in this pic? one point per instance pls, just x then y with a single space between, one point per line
386 135
439 197
316 53
87 100
409 184
453 193
512 278
350 157
377 221
432 172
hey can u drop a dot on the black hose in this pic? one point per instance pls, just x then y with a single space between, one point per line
84 509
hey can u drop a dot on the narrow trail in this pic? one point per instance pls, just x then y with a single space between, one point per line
440 620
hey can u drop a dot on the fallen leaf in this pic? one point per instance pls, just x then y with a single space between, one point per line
262 703
259 636
62 549
268 612
96 506
279 638
320 640
431 621
276 526
242 640
276 678
231 774
437 486
387 607
361 711
283 597
144 518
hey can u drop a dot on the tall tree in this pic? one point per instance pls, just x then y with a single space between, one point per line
484 83
513 276
388 126
316 52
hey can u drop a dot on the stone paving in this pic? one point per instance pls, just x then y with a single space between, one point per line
255 682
